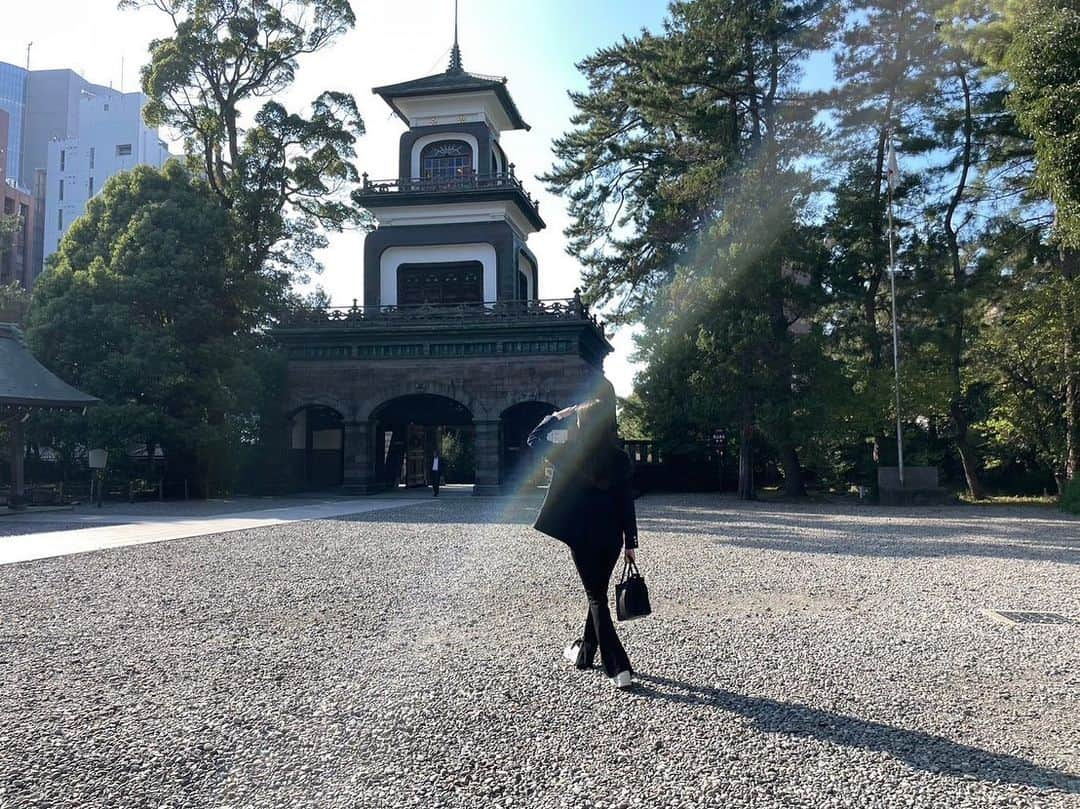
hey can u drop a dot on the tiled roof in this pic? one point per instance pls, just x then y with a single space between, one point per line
25 382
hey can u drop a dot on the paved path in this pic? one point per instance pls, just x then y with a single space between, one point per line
122 529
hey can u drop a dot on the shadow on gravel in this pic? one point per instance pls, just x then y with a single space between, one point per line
1016 539
920 750
457 511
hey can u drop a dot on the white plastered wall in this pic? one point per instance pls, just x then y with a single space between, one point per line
394 257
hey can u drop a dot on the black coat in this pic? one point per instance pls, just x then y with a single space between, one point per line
575 510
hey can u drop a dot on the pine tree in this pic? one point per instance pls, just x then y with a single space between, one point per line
684 145
884 73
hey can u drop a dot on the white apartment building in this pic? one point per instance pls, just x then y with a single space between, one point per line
111 137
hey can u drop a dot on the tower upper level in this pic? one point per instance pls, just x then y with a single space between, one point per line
453 97
450 152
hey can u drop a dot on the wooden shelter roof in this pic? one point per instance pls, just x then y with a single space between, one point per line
26 383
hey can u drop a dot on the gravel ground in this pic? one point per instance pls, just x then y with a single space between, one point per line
798 657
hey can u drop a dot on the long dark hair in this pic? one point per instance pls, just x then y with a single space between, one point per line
598 442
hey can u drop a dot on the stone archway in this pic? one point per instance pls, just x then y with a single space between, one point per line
406 430
521 467
316 447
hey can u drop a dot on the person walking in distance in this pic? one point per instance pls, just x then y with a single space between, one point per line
590 506
436 473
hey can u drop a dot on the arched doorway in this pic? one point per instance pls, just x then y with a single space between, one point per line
521 465
316 447
407 431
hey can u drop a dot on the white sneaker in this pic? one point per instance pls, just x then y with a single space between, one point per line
570 653
621 680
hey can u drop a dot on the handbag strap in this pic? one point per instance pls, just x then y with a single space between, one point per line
629 569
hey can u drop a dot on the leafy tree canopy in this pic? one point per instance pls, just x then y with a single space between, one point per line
284 177
14 301
135 310
1044 63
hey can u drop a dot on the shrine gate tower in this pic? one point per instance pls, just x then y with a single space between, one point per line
452 341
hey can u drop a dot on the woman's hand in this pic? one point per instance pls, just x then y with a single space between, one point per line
630 554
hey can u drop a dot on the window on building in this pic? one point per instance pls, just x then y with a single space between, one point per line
123 150
90 187
446 160
63 159
60 219
61 190
91 157
440 283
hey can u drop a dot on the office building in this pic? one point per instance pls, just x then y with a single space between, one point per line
102 133
110 137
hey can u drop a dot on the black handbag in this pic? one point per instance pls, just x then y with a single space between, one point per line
631 594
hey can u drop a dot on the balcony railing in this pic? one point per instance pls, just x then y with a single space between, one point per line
450 185
356 316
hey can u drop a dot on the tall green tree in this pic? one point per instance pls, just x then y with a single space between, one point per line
284 177
138 308
682 139
1019 353
667 123
1043 60
884 75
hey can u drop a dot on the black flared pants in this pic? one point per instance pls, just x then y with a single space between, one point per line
595 562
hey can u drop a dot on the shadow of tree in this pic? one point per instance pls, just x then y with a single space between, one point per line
920 750
797 528
889 535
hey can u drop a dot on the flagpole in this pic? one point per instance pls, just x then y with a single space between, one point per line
893 179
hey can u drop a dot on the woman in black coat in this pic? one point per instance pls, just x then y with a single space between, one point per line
590 507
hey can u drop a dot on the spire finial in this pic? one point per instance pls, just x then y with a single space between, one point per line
455 52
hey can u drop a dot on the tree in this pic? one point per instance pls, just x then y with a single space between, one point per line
884 72
14 301
1043 60
139 308
1044 64
9 226
632 418
695 176
284 178
1020 355
684 135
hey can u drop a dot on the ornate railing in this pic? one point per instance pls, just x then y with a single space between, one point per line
449 185
357 316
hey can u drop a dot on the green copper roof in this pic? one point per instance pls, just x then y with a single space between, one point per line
454 80
25 382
